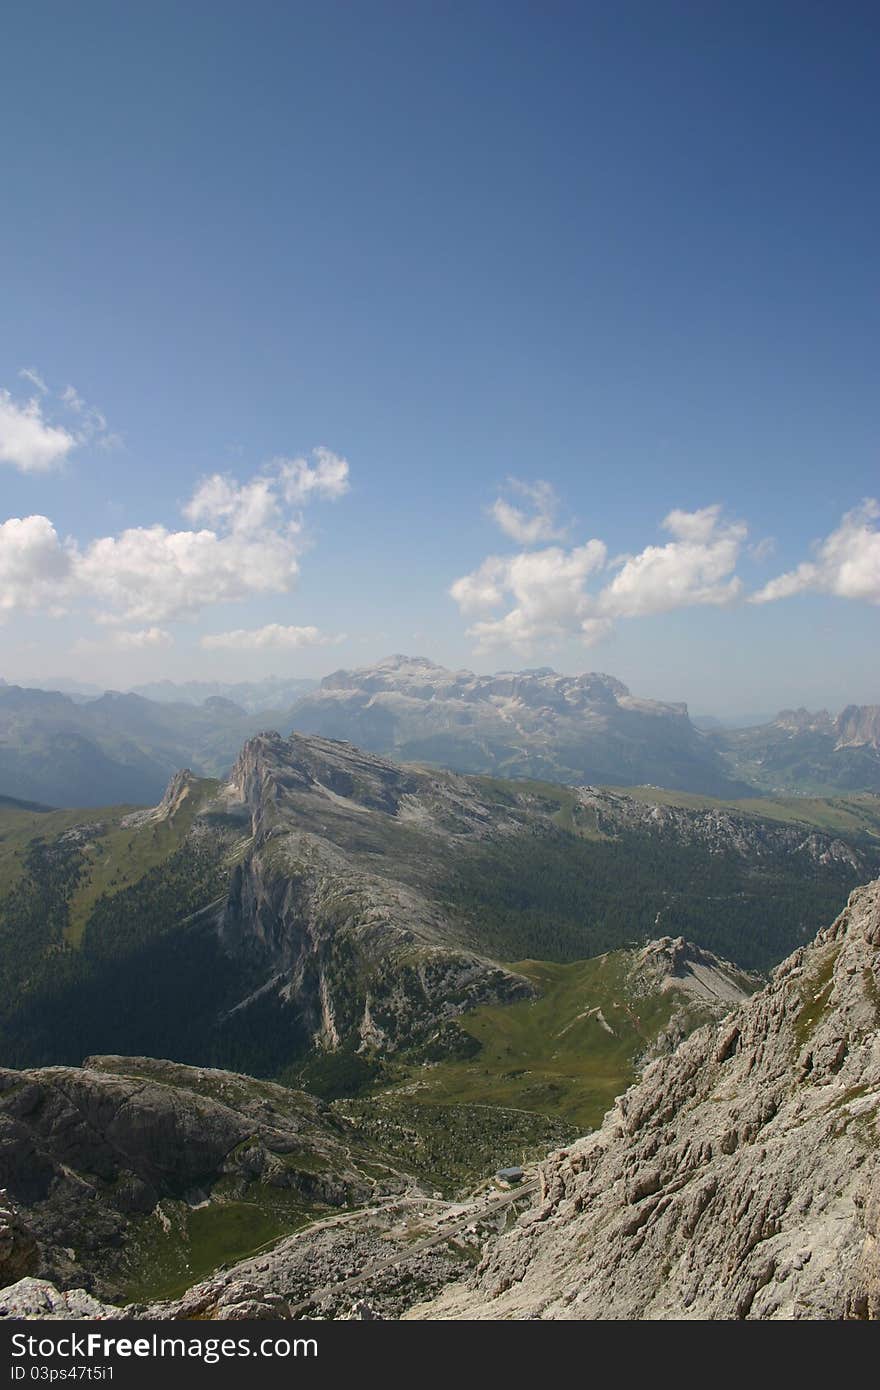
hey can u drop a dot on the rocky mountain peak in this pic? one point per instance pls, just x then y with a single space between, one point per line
271 768
675 963
531 723
858 726
804 721
183 785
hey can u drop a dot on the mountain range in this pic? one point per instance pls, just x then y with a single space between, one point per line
539 724
79 750
312 1004
807 753
120 748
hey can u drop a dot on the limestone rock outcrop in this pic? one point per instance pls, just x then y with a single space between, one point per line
19 1255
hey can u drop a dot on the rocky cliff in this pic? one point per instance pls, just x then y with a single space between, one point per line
740 1178
722 830
858 726
333 898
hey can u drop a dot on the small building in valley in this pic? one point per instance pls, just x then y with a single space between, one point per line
509 1177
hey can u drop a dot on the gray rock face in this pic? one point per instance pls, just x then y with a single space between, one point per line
334 901
805 751
740 1178
18 1248
671 963
858 726
37 1298
323 1272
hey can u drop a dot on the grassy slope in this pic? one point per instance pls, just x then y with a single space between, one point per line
114 860
552 1055
856 814
559 800
546 1068
123 856
18 828
163 1262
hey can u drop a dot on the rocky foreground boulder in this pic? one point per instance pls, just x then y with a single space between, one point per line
740 1178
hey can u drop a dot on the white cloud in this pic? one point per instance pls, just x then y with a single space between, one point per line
483 590
272 635
302 482
847 562
547 591
152 574
142 639
149 574
244 507
33 376
92 425
762 550
29 441
548 595
525 528
35 568
34 443
697 567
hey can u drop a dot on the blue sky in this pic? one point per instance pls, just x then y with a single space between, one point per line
626 250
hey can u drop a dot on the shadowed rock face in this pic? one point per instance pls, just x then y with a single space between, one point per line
740 1178
858 726
337 900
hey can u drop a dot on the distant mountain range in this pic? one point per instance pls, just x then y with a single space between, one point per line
275 692
113 749
75 749
807 753
586 728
